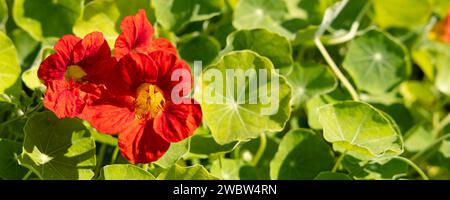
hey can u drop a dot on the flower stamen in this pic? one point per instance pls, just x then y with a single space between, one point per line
149 102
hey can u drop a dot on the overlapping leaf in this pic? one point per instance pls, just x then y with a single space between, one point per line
229 112
360 130
58 149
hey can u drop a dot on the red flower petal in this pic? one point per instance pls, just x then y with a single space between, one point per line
109 119
168 63
141 144
164 45
63 98
178 121
137 33
90 51
52 68
65 45
133 70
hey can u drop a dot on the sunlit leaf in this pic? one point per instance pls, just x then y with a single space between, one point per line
397 13
125 172
269 14
263 42
229 114
9 68
360 130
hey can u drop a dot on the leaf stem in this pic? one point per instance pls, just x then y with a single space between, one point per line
27 175
261 149
338 162
336 70
414 166
114 155
100 158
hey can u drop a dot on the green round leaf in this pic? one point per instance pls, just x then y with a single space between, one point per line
360 130
106 15
269 14
199 48
30 78
9 67
124 172
9 166
309 80
301 155
99 16
175 152
26 46
59 20
231 116
263 42
175 14
176 172
377 62
397 13
58 149
332 176
313 105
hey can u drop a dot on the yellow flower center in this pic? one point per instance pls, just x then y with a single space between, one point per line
149 102
74 72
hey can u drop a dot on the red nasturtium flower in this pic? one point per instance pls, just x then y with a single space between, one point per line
72 74
139 104
136 36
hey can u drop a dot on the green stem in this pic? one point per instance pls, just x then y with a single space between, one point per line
27 175
114 155
261 149
336 70
101 156
414 166
338 162
444 122
353 29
